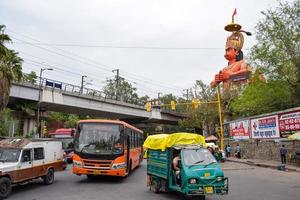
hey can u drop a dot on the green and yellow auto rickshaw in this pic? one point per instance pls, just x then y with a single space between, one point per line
199 175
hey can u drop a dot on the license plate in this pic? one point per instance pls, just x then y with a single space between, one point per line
209 190
206 174
97 172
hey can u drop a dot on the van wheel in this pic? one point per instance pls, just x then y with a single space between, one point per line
49 177
5 187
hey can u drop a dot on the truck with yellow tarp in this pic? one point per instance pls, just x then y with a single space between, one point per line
180 162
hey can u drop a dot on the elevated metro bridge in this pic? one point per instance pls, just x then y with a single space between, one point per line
68 98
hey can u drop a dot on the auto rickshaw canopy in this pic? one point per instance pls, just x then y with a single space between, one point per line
295 136
163 141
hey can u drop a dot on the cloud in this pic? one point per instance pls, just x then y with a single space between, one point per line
135 23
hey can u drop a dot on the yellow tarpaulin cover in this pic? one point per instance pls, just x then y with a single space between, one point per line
162 141
295 136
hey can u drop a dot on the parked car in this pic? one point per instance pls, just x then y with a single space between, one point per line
22 160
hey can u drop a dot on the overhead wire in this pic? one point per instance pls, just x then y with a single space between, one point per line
125 47
55 67
61 74
152 81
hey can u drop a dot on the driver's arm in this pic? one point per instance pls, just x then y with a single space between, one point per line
175 163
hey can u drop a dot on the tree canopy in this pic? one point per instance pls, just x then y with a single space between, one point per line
10 68
277 52
120 89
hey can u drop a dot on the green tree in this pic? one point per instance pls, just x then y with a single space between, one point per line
205 118
122 90
144 99
71 121
10 68
277 52
263 97
31 77
167 98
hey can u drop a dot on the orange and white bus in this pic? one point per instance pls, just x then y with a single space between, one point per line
106 147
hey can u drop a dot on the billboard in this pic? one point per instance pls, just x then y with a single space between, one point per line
289 122
239 129
265 127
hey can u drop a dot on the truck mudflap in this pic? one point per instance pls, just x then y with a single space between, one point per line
209 189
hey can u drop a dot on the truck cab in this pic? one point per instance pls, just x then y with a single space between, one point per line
22 160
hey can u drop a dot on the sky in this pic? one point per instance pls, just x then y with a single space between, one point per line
159 46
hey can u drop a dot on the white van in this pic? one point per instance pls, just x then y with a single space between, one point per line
22 160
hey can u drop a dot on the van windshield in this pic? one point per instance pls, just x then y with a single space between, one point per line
67 143
197 157
9 155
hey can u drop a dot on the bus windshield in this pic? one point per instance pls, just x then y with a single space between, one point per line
98 138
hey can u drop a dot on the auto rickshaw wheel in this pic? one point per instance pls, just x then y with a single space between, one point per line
155 186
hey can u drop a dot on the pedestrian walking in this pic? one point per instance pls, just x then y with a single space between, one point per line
283 152
228 149
238 151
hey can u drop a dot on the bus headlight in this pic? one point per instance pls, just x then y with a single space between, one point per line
77 163
192 181
118 166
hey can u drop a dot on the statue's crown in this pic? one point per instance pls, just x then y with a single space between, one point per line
235 40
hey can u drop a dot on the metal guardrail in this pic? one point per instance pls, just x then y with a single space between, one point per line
87 92
75 89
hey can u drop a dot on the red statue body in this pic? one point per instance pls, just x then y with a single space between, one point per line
237 72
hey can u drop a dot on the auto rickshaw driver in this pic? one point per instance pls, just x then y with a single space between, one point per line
176 165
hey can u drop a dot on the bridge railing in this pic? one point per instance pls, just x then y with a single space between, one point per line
76 90
84 91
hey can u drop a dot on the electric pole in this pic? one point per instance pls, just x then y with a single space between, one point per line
117 82
82 81
38 130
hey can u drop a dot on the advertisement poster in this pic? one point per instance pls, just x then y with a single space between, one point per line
240 129
289 123
265 127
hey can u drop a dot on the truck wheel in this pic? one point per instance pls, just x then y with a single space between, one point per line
49 177
5 187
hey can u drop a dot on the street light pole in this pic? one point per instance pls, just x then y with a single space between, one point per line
117 82
82 81
38 130
220 118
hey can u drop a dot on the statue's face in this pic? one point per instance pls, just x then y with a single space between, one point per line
231 53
